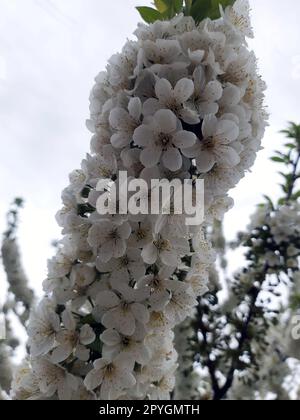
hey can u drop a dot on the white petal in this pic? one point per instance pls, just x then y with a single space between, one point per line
169 258
228 157
68 320
107 300
128 380
143 135
119 119
151 106
209 126
191 152
82 353
213 91
184 139
140 312
166 121
206 108
87 335
110 337
227 131
205 161
189 116
172 159
150 254
125 230
119 248
184 90
93 379
106 251
123 321
199 80
163 90
120 140
61 353
135 108
231 96
150 156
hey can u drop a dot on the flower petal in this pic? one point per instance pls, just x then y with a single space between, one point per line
150 156
135 108
163 90
227 131
150 254
119 119
151 106
213 91
205 161
172 159
120 140
209 126
228 157
143 135
140 312
166 121
169 258
110 337
184 139
107 300
184 90
122 320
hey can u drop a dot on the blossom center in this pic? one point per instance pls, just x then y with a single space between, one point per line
162 245
164 140
109 370
114 235
141 234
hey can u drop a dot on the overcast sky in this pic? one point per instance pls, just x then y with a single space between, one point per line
50 52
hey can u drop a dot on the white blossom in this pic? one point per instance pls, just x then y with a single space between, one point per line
163 139
113 376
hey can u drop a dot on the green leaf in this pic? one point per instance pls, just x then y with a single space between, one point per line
178 5
161 5
296 196
281 201
169 8
291 146
215 9
149 14
270 202
188 6
203 9
200 9
278 159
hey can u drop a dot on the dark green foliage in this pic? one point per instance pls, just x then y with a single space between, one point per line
198 9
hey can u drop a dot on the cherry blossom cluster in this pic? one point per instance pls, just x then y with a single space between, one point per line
181 102
16 277
282 228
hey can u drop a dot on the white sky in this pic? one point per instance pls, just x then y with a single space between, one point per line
50 51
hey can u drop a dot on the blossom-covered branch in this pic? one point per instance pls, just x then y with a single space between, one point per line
17 280
183 102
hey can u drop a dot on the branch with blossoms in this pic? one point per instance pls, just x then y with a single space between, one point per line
19 298
235 337
182 102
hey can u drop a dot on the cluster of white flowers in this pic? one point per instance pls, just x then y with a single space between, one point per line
183 101
5 369
283 226
16 277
